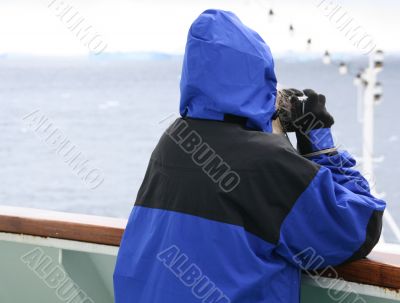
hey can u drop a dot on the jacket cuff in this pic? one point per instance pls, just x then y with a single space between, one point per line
315 140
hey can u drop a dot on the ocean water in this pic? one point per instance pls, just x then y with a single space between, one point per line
113 111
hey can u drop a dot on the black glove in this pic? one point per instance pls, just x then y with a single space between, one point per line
305 113
311 113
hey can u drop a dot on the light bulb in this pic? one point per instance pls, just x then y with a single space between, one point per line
343 68
326 59
377 57
357 79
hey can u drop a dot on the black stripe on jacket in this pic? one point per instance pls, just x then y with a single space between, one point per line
272 175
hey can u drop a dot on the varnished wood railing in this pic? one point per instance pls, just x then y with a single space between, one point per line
45 223
380 269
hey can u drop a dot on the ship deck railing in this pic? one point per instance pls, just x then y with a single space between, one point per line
84 247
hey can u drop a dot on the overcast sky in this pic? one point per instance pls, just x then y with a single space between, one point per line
32 27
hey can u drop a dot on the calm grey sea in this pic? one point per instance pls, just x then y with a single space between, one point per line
112 110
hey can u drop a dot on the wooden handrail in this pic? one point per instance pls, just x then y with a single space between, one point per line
52 224
380 268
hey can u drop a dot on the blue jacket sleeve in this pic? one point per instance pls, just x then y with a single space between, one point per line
335 220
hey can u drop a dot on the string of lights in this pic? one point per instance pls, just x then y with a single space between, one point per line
344 67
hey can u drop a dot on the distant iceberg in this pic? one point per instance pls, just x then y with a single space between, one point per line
134 56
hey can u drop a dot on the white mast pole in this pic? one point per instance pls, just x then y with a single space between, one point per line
369 79
368 121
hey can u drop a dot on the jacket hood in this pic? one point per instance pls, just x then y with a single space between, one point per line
227 69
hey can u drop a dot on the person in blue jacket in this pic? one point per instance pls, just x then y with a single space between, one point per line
229 211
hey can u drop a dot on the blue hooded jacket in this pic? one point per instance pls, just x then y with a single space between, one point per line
227 69
229 212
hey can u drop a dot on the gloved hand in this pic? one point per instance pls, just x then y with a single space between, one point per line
311 121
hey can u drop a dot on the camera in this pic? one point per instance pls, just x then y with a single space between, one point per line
286 100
